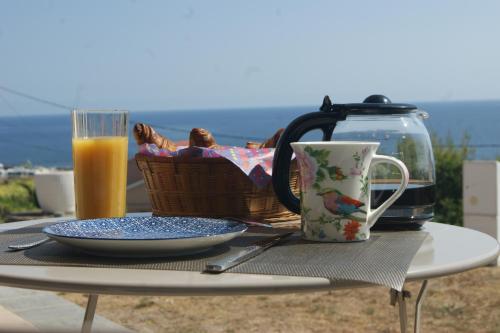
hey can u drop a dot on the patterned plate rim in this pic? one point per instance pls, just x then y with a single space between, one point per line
242 228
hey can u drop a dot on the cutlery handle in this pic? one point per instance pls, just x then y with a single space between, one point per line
25 246
223 264
247 253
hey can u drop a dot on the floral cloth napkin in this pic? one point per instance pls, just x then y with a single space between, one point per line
257 164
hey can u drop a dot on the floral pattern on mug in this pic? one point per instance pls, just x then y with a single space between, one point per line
308 169
323 170
359 168
351 229
344 216
345 229
355 172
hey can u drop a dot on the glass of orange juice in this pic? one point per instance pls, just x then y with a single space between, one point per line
100 144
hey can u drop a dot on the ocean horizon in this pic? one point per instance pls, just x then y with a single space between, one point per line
46 139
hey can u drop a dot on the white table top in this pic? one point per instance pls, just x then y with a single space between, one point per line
447 250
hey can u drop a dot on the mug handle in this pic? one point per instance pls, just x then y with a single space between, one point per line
405 179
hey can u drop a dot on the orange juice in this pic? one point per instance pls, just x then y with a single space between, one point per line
100 171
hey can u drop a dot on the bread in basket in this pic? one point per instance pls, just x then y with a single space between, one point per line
210 187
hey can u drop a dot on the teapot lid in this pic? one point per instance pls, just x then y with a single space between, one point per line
372 105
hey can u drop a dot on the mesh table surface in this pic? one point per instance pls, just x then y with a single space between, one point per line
384 259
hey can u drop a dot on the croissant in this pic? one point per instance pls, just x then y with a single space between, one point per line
146 134
269 143
200 137
273 141
252 145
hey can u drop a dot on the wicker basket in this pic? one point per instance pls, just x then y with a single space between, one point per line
210 187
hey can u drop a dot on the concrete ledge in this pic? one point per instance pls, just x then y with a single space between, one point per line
46 312
10 322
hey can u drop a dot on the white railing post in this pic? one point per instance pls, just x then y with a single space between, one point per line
481 197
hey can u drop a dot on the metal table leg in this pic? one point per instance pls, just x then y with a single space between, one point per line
420 297
400 298
89 313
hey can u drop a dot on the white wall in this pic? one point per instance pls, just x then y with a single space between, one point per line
481 197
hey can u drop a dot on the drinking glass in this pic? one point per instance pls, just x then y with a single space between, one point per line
100 143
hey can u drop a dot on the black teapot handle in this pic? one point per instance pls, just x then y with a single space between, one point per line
325 120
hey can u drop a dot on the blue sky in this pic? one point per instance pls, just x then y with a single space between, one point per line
144 55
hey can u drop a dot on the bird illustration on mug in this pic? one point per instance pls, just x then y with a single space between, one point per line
338 203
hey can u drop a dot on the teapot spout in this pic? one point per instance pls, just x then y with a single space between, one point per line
423 114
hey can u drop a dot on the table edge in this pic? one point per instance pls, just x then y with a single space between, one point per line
287 284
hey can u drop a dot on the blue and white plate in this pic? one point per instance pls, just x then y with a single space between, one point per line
145 236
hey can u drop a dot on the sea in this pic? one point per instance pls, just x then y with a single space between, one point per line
45 140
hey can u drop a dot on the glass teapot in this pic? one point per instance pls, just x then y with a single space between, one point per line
401 132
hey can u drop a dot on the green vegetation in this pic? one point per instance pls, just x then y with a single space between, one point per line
16 196
449 159
415 156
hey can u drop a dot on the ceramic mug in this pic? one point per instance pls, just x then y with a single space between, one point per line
335 189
